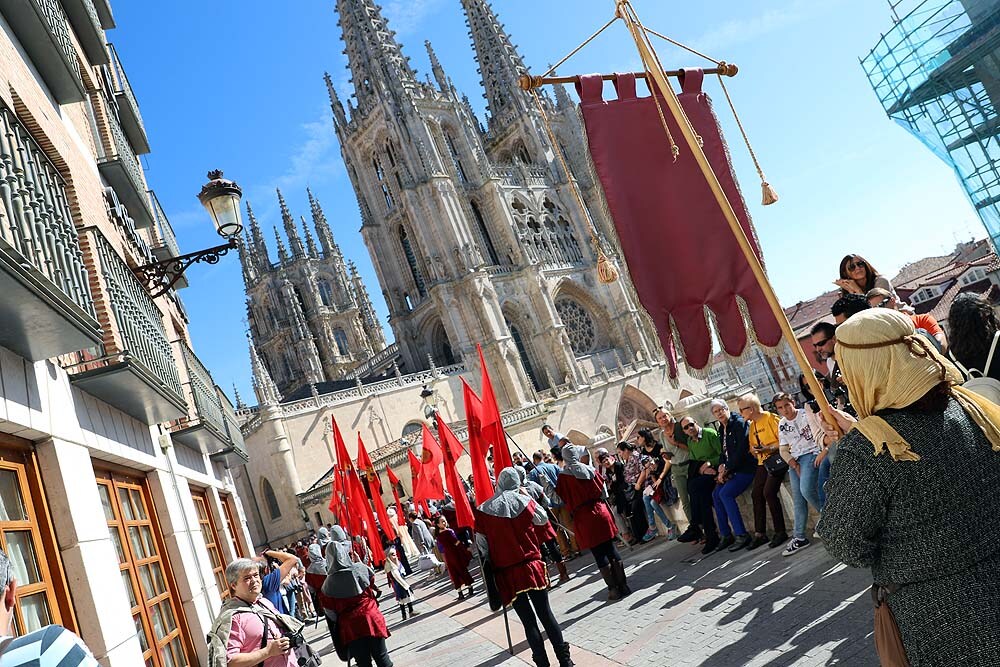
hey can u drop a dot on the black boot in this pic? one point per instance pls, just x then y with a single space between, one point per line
540 659
562 653
618 572
609 579
461 596
402 610
412 613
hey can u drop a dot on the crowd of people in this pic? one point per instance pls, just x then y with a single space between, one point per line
913 506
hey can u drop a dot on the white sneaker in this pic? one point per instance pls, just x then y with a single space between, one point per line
797 544
816 536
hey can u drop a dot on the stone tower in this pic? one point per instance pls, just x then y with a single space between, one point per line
475 232
310 322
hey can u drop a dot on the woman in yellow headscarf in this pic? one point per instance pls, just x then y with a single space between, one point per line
914 493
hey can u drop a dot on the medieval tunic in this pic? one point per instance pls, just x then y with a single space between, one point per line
456 557
514 553
359 617
349 592
929 526
592 519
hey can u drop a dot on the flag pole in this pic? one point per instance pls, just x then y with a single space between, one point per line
625 11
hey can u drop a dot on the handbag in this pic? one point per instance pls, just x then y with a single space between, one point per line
775 465
888 640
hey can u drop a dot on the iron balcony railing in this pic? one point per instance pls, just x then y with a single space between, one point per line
164 240
128 106
87 26
35 218
120 167
236 441
126 225
207 406
42 29
138 322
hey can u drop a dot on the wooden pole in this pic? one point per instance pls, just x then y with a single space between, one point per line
527 82
626 12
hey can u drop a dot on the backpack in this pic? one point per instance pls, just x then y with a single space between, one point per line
219 634
977 381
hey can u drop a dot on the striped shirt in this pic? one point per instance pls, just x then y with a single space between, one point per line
52 646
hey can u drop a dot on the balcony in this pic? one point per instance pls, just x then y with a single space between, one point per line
204 427
120 168
42 30
141 252
87 26
164 241
45 309
236 453
128 107
138 372
103 8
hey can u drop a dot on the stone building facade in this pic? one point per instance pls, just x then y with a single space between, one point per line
310 314
117 502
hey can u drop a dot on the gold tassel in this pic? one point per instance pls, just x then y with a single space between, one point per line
769 195
607 272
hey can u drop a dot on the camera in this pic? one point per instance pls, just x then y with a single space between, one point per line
296 640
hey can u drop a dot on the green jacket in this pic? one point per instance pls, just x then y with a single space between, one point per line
709 448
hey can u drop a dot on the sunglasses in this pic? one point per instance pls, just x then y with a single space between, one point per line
853 265
689 427
821 343
745 408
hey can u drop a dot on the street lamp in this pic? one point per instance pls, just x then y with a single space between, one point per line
430 399
221 198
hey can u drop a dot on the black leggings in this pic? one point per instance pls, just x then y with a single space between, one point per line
637 516
550 551
368 649
604 553
523 604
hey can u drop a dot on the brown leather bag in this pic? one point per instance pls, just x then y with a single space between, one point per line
888 640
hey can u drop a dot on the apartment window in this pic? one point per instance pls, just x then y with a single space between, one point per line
145 572
212 541
231 525
26 537
973 276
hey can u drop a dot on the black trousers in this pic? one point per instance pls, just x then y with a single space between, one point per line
550 551
398 543
637 516
765 497
700 489
531 607
368 650
604 553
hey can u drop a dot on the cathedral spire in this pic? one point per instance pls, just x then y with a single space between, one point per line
310 243
263 385
378 66
442 79
323 230
499 62
373 329
290 229
257 247
339 115
282 252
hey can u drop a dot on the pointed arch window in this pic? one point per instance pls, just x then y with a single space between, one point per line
340 338
325 292
411 261
485 233
383 185
522 351
456 160
271 500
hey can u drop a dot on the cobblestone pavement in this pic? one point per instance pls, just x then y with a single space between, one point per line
753 608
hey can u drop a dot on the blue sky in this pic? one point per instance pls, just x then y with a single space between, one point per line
238 86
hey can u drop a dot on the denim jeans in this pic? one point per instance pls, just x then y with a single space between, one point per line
726 510
654 507
807 489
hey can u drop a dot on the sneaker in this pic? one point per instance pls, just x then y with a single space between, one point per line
741 543
778 540
758 541
816 536
796 545
672 533
725 543
650 534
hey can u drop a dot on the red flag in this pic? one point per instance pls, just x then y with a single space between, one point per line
492 425
463 511
366 519
343 469
415 475
429 485
336 496
394 483
477 450
374 487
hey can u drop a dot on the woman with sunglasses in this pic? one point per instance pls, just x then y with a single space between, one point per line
857 276
764 436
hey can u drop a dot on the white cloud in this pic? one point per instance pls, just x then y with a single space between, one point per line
405 16
738 31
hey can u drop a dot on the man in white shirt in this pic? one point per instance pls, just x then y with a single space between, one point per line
807 463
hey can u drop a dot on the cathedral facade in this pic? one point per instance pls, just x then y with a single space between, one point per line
310 316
